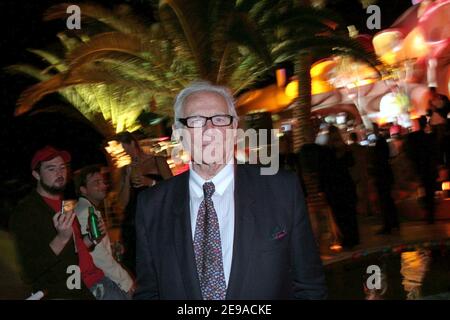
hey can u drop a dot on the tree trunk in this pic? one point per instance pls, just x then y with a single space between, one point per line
303 129
303 133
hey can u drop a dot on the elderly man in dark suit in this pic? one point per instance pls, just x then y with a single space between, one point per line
222 230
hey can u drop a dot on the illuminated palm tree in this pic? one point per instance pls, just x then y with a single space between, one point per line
225 42
137 60
101 103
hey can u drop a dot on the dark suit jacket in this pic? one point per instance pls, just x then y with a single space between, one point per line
274 251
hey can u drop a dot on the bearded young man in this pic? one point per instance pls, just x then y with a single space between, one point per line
43 235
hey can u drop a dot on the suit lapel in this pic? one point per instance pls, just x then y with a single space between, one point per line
243 231
183 238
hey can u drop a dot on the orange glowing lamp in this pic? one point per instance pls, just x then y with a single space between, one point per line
446 189
446 186
336 247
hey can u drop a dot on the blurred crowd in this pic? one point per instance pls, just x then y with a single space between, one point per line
349 172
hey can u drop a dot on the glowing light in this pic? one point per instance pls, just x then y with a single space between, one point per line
319 79
321 68
393 104
292 89
446 186
320 72
281 77
387 44
171 163
382 120
414 45
389 57
419 42
317 87
349 73
336 247
359 83
414 266
119 157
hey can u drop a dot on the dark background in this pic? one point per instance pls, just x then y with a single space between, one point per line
21 28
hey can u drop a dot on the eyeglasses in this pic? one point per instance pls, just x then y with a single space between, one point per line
222 120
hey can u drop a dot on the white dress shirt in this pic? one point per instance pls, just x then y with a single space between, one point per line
223 199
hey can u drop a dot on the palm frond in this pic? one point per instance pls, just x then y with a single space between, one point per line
28 70
102 44
63 80
186 25
326 45
245 32
69 43
122 20
116 73
55 62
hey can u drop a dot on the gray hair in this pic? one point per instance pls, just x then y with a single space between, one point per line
202 86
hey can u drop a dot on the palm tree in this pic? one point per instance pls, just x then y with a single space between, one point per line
225 42
212 40
97 102
305 34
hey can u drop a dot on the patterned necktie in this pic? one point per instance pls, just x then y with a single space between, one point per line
208 249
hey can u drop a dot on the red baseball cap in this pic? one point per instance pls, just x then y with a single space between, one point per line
48 153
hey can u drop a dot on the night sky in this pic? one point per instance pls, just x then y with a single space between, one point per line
22 27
